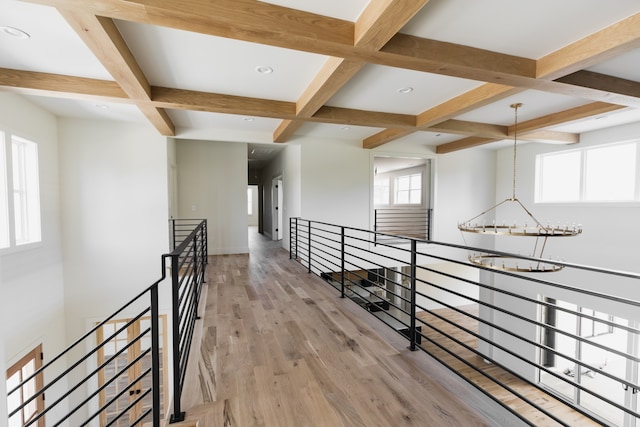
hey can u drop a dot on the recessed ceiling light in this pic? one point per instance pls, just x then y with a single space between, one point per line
601 117
405 89
102 106
15 32
248 119
345 128
263 69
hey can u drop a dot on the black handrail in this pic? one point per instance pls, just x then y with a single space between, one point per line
189 243
383 278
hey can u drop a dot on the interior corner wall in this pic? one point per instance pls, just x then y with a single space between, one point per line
287 165
32 302
212 185
464 186
336 182
115 204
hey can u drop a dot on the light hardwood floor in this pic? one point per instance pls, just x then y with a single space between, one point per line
280 348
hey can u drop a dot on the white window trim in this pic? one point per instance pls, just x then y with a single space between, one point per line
581 201
392 192
13 247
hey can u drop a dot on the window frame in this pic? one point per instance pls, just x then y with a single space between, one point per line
583 176
35 355
392 178
33 202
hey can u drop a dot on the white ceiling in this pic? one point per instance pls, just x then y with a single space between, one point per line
180 59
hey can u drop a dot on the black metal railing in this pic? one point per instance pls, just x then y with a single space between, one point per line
406 222
98 379
189 261
508 334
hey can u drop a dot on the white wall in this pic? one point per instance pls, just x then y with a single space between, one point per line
608 240
464 187
336 182
31 281
115 200
285 164
253 218
212 184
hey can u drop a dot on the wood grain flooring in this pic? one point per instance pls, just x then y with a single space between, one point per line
278 347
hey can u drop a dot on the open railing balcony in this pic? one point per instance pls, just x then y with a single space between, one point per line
118 373
546 346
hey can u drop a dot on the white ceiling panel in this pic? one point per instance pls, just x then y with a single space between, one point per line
625 66
92 110
380 88
534 104
530 29
53 46
326 130
601 121
185 60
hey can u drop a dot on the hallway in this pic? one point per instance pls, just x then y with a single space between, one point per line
280 348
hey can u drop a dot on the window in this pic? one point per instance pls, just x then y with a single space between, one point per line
249 201
18 373
19 192
595 174
408 189
607 349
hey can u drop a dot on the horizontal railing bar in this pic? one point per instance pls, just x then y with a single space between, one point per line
103 386
129 406
526 340
489 376
68 370
528 299
517 356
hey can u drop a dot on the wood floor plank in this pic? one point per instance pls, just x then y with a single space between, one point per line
279 348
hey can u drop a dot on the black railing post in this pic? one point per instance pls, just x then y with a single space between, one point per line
155 355
412 329
342 262
173 233
290 238
178 415
375 226
296 257
309 224
196 276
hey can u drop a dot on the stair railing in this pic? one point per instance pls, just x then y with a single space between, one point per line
74 380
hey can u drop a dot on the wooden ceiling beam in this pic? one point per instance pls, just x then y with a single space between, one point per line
333 75
47 84
478 97
349 116
461 144
438 57
577 113
613 40
218 103
247 20
379 21
105 41
593 49
613 90
259 22
486 130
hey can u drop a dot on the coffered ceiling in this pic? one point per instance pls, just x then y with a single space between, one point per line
439 74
